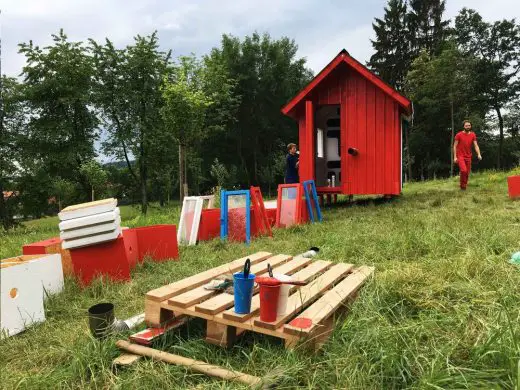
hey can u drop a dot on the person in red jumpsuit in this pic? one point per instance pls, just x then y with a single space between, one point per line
462 151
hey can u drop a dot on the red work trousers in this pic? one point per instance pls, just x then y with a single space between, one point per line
465 169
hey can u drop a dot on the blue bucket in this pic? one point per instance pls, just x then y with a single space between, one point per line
243 291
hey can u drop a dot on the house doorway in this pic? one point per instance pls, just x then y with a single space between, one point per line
328 146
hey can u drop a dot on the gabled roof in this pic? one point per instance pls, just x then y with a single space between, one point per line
343 56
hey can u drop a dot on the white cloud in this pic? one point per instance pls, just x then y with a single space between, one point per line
321 28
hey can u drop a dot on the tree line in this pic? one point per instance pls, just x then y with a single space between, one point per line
188 125
452 70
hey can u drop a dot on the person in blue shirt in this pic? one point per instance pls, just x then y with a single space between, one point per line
291 167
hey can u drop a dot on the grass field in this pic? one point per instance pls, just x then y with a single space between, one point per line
441 312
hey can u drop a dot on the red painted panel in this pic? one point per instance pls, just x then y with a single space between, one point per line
344 139
158 241
209 226
380 147
389 122
131 247
104 259
309 136
371 139
513 186
361 127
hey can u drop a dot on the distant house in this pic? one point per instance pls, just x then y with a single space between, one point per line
350 130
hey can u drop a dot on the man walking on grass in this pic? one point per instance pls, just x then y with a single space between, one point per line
464 140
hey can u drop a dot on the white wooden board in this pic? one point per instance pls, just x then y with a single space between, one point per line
190 219
91 240
95 219
86 209
49 271
91 230
21 302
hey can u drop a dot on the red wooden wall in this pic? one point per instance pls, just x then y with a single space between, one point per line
370 122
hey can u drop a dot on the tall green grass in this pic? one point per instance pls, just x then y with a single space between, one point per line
441 313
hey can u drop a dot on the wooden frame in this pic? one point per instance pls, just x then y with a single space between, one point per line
199 204
298 216
261 220
314 196
224 228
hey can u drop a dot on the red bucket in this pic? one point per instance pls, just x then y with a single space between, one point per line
269 302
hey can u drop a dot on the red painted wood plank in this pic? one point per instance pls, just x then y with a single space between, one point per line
371 140
345 166
380 150
309 133
389 147
362 133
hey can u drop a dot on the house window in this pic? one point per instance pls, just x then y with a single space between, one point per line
320 143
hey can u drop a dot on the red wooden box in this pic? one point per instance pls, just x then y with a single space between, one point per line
157 241
513 185
52 245
107 259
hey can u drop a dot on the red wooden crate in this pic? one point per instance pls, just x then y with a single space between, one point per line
513 185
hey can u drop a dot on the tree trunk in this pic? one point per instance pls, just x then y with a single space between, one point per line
501 137
452 138
144 179
92 194
181 172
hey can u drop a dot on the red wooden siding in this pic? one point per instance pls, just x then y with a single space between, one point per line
370 122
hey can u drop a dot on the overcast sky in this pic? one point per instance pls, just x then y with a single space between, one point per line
321 28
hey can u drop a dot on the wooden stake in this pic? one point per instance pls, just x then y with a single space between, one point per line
195 365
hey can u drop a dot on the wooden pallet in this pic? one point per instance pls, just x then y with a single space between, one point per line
310 309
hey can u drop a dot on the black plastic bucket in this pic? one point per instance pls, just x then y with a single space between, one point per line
101 319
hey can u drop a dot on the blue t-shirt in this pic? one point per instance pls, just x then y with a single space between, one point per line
291 172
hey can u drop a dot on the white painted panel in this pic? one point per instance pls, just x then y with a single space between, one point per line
90 220
87 209
49 271
91 240
26 308
91 230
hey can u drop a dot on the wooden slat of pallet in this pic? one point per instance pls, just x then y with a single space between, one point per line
307 294
329 302
221 302
305 274
199 294
176 288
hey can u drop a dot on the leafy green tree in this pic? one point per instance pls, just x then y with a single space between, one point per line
13 121
185 106
267 73
442 90
128 93
497 46
63 190
57 88
428 30
96 176
392 57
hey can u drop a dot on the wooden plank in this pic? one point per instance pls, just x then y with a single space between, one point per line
176 288
199 294
307 294
305 274
221 302
328 303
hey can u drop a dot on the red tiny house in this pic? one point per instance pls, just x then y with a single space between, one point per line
350 127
